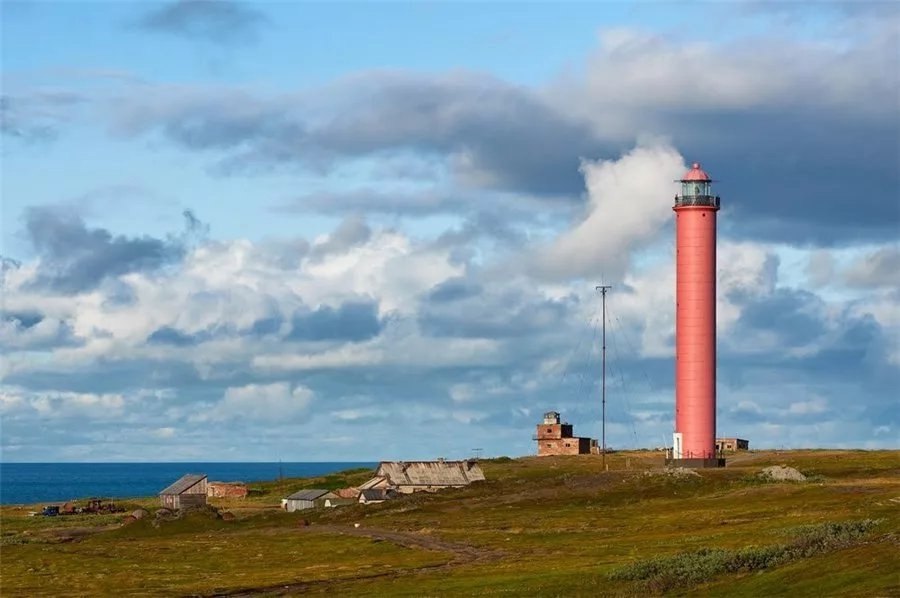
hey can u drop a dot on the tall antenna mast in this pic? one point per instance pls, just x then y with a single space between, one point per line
603 288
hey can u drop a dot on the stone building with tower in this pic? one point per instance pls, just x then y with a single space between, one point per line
556 438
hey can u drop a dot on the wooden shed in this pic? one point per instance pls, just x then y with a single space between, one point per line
307 499
189 491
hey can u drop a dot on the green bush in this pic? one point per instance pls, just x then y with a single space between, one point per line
661 574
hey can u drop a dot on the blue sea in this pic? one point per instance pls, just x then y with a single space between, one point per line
28 483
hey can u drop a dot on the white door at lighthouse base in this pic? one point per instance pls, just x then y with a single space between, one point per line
676 445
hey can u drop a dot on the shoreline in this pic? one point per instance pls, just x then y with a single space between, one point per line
28 484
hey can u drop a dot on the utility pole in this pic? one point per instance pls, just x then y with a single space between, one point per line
603 288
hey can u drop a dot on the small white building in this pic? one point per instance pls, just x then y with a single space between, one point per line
307 499
376 495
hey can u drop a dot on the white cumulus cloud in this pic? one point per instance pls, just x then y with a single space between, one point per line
630 201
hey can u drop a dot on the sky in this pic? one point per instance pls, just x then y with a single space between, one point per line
252 231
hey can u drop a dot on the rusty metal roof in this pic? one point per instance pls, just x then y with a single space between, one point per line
184 482
430 473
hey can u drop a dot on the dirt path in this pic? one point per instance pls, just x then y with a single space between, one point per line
462 554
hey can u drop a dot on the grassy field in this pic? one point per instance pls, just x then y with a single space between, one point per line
552 526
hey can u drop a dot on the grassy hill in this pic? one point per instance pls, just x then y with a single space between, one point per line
549 526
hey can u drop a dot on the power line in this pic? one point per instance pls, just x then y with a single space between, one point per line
584 386
625 390
575 352
650 385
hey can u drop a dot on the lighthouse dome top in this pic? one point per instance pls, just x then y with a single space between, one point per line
696 174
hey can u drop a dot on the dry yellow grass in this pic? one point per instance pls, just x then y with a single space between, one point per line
549 526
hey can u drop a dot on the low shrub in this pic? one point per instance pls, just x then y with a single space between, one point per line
661 574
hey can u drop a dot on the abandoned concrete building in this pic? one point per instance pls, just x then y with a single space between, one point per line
415 476
226 490
189 491
555 438
728 445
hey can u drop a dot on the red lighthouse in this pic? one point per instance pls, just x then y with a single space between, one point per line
694 442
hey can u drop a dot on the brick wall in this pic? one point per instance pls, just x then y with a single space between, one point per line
564 446
223 489
554 431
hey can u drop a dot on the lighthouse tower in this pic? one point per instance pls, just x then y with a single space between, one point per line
694 443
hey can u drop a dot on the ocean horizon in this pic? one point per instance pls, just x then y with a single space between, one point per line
30 483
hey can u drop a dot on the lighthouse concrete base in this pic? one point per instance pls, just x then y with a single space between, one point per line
696 463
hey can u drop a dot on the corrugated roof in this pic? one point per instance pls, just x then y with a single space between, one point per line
430 473
308 494
184 482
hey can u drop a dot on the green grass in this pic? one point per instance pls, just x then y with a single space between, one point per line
197 554
271 492
662 574
549 526
202 562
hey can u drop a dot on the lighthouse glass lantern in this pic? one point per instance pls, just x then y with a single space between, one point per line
696 189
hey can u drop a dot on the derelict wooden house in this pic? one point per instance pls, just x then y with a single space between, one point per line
414 476
189 491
